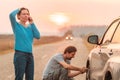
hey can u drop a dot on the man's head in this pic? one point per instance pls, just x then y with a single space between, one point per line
69 52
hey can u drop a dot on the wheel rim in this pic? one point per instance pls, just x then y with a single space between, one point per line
88 75
88 72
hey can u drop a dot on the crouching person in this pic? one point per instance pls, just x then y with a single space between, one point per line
59 67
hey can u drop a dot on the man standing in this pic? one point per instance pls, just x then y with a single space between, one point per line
59 67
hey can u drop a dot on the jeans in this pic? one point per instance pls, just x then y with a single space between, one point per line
23 64
58 74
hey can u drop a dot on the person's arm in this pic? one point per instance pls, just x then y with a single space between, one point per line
70 67
12 17
36 33
75 73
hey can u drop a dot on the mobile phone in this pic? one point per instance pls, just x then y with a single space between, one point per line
29 19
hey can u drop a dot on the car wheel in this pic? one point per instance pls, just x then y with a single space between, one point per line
88 72
108 76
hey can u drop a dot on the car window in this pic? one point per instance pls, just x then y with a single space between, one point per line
109 33
116 37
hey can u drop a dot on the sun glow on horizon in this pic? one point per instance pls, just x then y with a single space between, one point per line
59 18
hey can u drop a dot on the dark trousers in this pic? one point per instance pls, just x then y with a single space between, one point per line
23 64
58 74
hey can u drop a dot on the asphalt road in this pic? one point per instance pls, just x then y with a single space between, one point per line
41 55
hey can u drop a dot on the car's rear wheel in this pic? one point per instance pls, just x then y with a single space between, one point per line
108 76
88 72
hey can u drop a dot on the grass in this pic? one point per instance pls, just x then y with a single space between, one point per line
7 42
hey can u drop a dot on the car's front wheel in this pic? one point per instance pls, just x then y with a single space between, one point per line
108 76
88 72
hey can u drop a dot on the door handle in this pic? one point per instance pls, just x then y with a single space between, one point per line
111 52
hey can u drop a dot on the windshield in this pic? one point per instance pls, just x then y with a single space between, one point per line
116 37
109 34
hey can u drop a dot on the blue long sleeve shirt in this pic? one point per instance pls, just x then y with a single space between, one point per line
23 35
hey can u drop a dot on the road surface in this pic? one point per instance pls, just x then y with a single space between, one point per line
42 54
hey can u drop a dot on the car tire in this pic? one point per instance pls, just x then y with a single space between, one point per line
108 76
88 71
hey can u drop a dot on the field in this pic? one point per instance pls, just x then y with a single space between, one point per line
7 42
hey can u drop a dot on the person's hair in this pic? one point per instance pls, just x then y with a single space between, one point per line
70 49
23 8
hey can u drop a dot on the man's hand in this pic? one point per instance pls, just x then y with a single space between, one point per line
84 69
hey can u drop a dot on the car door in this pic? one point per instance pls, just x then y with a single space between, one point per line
109 39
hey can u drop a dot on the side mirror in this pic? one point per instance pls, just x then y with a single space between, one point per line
93 39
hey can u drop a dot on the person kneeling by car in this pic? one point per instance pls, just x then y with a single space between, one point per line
59 67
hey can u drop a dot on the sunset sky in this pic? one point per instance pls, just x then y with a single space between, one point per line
51 15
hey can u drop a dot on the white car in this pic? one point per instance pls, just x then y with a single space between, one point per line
104 59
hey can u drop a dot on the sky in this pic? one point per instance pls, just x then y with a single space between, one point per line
51 15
